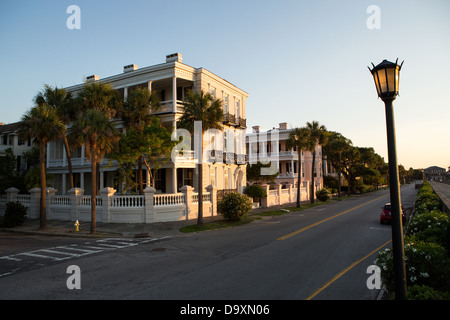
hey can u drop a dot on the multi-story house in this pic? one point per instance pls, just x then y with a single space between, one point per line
271 146
10 139
434 173
171 80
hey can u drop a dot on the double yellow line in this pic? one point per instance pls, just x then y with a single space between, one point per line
327 219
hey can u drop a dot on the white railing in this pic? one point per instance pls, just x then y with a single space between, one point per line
205 196
168 199
86 201
23 199
127 201
60 200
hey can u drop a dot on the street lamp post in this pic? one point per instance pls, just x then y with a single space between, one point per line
386 77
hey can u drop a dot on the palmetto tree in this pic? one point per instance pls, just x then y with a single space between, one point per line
98 134
200 106
136 114
62 102
42 124
317 136
299 139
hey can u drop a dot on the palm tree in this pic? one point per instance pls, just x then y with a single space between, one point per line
98 134
41 124
337 144
317 136
100 96
207 109
136 114
62 102
299 139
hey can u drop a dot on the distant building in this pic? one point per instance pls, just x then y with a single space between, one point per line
434 173
9 139
260 146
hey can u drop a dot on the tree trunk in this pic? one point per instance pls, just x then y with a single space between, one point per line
339 176
200 186
140 177
299 173
43 204
311 196
94 189
69 161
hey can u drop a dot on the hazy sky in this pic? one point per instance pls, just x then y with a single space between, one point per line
299 60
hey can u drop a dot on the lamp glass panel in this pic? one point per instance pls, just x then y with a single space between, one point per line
381 74
391 79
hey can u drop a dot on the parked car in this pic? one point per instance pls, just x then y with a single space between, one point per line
385 216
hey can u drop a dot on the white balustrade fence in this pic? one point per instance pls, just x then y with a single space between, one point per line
112 208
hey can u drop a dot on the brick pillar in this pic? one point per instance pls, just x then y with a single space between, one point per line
213 194
35 203
106 194
75 197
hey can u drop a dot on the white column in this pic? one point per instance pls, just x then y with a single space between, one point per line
48 154
174 180
101 179
63 183
83 156
174 93
82 180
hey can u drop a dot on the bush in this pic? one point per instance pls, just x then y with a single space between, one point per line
430 226
426 264
15 214
234 206
323 194
422 292
255 191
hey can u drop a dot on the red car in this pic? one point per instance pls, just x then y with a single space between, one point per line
385 216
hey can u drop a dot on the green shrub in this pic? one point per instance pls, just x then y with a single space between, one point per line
15 214
426 264
430 227
422 292
255 191
234 206
323 194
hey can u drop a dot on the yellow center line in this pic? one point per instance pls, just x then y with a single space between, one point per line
327 219
340 274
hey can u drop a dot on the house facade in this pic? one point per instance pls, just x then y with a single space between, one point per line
434 173
171 80
10 139
271 146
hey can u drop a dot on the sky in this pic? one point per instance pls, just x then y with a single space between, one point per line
299 60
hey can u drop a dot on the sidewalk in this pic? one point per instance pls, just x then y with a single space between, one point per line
104 230
443 192
109 230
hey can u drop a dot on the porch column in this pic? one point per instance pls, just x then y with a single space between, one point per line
174 94
82 180
174 180
63 187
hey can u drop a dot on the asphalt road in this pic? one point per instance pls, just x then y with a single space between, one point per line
320 253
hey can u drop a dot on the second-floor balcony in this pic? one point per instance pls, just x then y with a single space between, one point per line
168 107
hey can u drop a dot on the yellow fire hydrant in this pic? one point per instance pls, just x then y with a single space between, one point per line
77 226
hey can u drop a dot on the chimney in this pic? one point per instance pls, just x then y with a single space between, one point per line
283 126
174 57
92 78
256 129
130 67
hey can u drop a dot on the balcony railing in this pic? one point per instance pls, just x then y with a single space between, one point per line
167 107
241 123
229 119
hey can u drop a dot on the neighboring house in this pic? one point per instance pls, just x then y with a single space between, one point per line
171 80
434 173
9 138
271 146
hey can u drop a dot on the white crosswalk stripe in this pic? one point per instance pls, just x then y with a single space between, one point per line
61 253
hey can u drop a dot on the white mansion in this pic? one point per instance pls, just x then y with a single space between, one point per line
171 80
